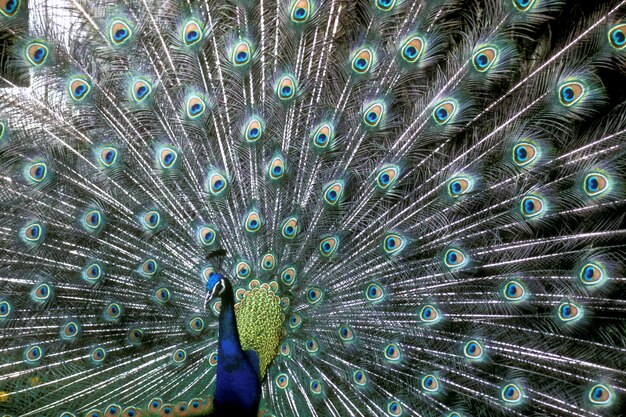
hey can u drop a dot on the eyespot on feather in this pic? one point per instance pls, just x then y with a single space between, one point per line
36 53
412 49
120 32
192 32
300 11
617 36
571 93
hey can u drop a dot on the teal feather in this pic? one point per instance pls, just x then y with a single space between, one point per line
421 204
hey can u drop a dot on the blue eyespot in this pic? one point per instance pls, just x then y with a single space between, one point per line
523 5
617 36
120 32
570 93
385 5
444 112
192 33
373 114
300 11
10 7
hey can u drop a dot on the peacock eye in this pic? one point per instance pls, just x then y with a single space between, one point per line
286 88
524 153
373 114
392 352
314 295
359 377
617 36
523 5
252 222
33 354
282 381
241 54
217 184
141 89
9 8
532 206
323 137
167 157
600 394
36 53
276 168
243 270
195 106
311 346
374 293
300 11
385 5
207 235
113 311
514 291
290 228
295 321
192 33
254 130
394 408
596 184
333 192
179 355
288 275
195 404
135 336
484 58
473 350
155 405
92 219
285 349
345 333
78 89
570 93
511 393
328 246
38 172
5 309
362 61
162 295
268 262
41 292
98 355
412 49
591 274
149 267
120 32
429 314
213 359
444 112
33 232
92 273
454 258
569 311
430 383
70 330
108 156
458 186
315 386
387 176
152 219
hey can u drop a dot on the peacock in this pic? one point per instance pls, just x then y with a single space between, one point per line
312 208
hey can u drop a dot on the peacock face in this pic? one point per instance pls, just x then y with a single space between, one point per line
216 285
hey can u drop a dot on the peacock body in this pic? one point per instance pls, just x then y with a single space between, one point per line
421 205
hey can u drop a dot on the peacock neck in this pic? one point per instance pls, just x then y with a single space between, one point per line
229 335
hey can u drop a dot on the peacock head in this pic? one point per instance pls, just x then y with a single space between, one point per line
216 286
